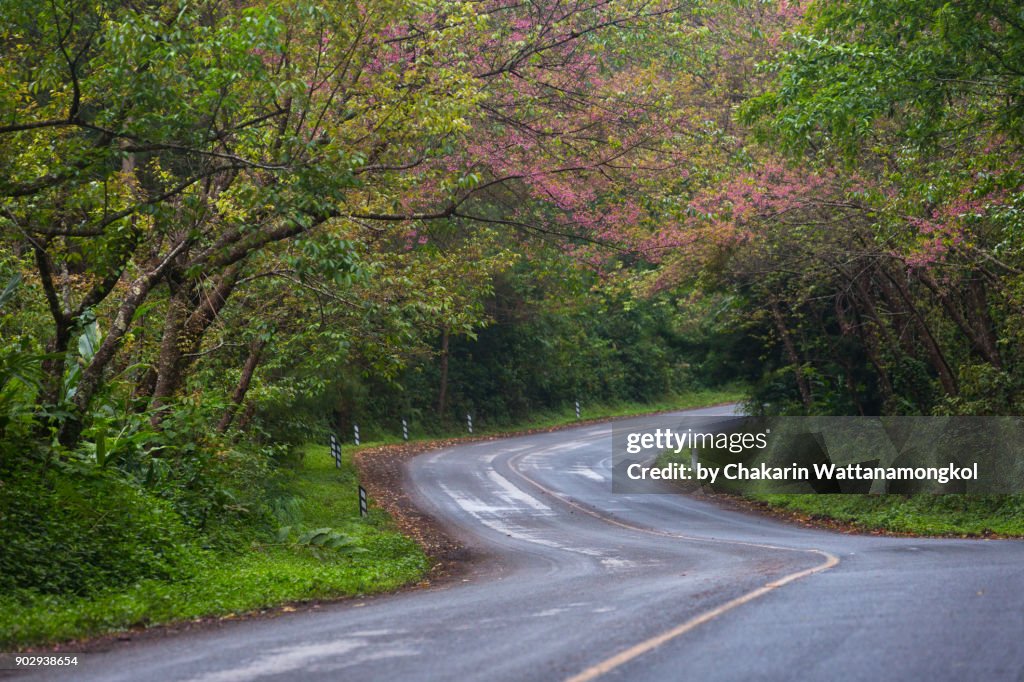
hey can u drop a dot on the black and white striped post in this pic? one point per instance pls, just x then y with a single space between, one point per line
469 422
577 409
363 510
336 451
405 429
355 430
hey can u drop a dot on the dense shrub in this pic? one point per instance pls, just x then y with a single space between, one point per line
75 529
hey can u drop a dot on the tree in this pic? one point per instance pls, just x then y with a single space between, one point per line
901 212
168 145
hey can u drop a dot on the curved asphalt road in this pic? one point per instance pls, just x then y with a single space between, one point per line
584 584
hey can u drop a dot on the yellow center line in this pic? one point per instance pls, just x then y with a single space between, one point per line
641 648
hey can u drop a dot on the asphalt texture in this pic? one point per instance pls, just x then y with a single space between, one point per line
582 583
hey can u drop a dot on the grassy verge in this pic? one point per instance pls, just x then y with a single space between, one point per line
264 574
589 412
946 515
926 515
701 398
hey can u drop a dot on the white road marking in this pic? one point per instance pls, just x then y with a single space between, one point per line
549 612
587 472
497 518
615 563
294 658
512 494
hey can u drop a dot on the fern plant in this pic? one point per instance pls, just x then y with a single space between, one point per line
321 542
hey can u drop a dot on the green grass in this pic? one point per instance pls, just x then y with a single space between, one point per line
265 574
960 515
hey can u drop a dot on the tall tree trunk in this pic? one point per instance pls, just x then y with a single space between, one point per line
792 356
870 344
846 328
92 374
170 351
442 393
975 324
931 346
56 348
978 311
247 413
184 330
238 397
865 309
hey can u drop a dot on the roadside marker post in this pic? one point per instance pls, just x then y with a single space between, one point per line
363 511
336 451
355 429
577 409
469 423
405 429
